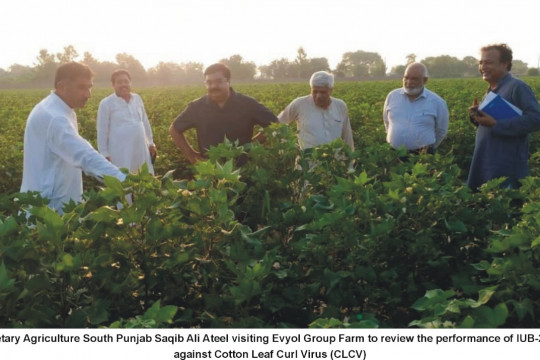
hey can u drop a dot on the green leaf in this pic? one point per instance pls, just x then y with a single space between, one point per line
166 314
6 283
77 319
484 295
535 242
68 262
467 323
8 227
432 298
486 317
419 169
362 179
114 185
500 313
453 306
105 214
523 308
52 226
322 202
152 311
456 225
98 314
324 323
205 168
482 265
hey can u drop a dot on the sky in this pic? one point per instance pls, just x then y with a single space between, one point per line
260 31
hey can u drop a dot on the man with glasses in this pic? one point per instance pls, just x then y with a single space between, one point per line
221 113
502 144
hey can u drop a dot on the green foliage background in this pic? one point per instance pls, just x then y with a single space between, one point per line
364 239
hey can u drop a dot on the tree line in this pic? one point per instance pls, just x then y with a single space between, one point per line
356 65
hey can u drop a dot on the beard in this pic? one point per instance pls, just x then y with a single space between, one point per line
322 103
415 91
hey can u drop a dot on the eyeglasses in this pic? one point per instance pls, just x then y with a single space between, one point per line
216 82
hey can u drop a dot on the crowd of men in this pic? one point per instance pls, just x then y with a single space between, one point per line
414 118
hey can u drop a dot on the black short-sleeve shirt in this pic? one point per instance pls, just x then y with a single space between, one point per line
235 121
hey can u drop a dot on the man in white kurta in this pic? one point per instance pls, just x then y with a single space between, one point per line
54 153
320 118
124 135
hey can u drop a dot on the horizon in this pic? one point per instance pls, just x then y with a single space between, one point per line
291 59
206 31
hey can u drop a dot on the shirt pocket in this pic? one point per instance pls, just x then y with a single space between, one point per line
335 125
424 118
333 120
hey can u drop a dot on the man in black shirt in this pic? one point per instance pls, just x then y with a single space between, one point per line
221 113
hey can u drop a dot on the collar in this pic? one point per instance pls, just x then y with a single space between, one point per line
320 108
121 98
61 102
506 78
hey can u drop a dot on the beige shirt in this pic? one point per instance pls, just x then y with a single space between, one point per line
317 126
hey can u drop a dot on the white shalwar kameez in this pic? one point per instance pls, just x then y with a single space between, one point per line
55 154
124 133
317 126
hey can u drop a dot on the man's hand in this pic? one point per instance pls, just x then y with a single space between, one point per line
181 142
153 153
473 110
260 137
479 117
195 156
484 119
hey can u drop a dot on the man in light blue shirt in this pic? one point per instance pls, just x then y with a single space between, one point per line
415 117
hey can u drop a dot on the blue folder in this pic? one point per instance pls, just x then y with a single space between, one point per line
499 108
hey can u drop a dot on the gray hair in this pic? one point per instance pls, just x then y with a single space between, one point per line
322 78
421 66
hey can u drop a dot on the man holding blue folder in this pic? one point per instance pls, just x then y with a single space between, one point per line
505 118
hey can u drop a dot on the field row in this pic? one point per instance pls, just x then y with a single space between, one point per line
387 243
365 101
